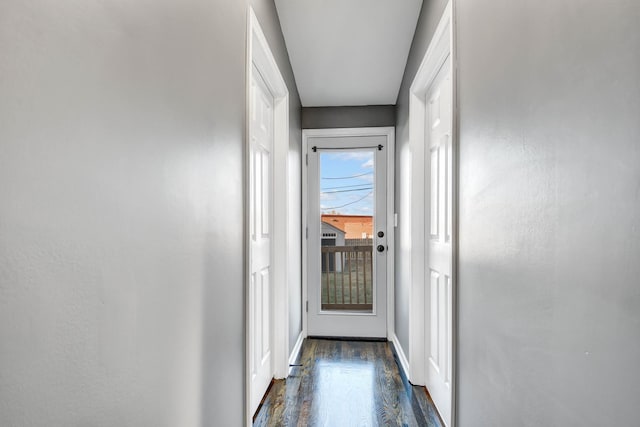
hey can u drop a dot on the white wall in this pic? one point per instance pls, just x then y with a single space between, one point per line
121 176
549 213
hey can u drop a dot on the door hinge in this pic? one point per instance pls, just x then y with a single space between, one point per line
306 159
307 306
306 233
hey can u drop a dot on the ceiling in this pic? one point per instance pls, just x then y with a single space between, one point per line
348 52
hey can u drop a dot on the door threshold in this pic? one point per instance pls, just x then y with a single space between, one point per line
371 339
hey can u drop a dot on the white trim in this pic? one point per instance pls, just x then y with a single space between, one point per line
391 233
435 56
389 133
259 55
305 234
296 350
404 362
438 53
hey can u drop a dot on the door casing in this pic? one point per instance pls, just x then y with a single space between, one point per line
259 55
389 133
440 50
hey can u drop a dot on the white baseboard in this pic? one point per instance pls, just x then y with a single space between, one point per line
404 362
296 350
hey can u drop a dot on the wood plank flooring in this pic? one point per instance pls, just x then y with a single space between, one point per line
346 383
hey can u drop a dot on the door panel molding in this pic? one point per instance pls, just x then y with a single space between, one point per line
431 206
260 59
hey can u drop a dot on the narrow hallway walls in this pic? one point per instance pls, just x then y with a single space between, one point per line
121 204
549 210
549 302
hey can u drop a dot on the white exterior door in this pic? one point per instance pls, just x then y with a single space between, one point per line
438 292
347 244
261 192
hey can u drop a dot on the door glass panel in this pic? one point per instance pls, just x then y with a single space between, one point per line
347 205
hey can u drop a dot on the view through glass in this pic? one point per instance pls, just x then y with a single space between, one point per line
347 205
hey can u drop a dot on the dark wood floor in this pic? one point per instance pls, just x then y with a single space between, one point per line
346 383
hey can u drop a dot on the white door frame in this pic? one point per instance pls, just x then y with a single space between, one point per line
389 133
440 50
259 55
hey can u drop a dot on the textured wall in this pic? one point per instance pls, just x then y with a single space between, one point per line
427 23
121 188
348 117
549 302
549 213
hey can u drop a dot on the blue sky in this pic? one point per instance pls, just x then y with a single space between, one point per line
346 182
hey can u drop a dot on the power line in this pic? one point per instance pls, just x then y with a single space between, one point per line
347 186
351 203
346 177
346 191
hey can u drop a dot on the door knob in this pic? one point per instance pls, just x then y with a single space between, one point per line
380 248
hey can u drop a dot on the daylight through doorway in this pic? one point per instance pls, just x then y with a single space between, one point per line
347 205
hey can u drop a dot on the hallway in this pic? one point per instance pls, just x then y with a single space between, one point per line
126 195
346 383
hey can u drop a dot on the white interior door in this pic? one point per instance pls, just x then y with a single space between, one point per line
347 236
261 192
438 295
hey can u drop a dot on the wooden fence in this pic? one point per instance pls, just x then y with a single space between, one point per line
347 277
